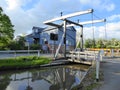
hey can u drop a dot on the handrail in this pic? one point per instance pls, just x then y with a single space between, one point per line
21 51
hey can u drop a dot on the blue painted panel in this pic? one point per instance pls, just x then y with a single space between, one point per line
45 36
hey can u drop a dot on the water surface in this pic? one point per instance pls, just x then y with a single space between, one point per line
51 78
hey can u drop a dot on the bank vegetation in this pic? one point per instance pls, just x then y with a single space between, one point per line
23 62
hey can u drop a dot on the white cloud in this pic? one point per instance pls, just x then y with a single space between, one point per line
114 17
24 19
100 4
112 30
115 26
12 4
15 4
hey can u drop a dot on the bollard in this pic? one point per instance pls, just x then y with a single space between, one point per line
97 67
101 57
112 53
101 54
97 70
95 56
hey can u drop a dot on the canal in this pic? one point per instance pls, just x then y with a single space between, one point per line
63 77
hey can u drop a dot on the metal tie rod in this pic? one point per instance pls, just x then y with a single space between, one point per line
69 15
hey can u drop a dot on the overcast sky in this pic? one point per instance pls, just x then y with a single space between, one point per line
25 14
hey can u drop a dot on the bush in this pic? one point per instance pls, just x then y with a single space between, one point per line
35 47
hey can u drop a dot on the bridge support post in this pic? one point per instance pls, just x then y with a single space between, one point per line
65 38
81 39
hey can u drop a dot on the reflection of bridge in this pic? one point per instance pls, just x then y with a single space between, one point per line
59 78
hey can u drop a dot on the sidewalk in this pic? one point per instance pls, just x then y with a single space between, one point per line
111 70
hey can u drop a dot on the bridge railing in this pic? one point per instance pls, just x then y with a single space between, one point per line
88 55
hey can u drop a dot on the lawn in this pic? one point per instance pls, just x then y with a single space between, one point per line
22 62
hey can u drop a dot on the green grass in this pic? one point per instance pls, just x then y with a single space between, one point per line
25 61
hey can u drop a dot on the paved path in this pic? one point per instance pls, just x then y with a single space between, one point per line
111 70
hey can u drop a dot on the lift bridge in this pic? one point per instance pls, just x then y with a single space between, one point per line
76 55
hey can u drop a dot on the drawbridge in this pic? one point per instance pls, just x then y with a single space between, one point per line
76 55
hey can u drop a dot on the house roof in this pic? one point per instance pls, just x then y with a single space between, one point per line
38 28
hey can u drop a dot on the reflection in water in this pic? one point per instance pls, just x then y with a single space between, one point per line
53 78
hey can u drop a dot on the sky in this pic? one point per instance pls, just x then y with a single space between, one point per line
24 14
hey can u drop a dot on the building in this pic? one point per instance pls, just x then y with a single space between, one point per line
49 38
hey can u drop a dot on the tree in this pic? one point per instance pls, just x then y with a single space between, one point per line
17 44
6 30
99 43
89 43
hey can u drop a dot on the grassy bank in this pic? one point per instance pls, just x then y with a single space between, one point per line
23 62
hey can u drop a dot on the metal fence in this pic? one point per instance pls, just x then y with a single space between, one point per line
15 53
